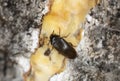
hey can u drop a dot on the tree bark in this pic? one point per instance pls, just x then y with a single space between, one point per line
20 22
98 52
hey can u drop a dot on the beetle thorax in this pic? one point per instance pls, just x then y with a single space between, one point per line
53 39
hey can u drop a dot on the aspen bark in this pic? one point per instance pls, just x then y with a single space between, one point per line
20 22
98 52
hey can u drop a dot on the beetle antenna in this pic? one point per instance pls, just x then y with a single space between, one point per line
59 31
66 36
48 43
53 32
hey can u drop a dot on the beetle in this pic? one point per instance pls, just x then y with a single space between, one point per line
62 46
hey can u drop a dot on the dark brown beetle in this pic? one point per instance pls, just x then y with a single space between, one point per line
62 46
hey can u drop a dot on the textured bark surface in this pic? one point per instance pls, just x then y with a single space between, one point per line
99 50
19 35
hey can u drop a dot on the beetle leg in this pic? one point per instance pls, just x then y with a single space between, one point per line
72 44
50 57
62 66
63 36
48 43
66 36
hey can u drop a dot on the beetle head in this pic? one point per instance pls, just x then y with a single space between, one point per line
53 37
